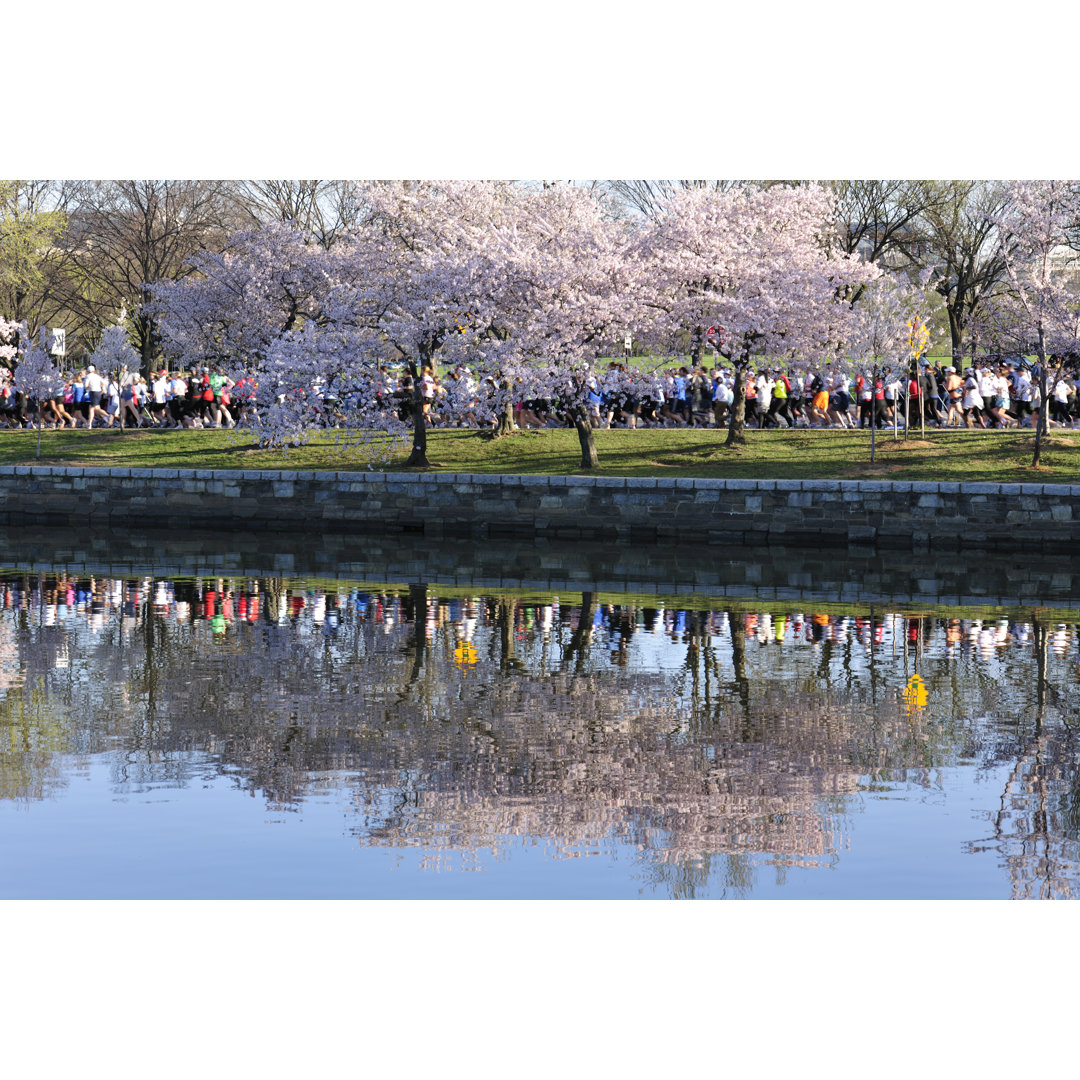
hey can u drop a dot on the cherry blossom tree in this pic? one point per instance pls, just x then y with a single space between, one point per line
878 334
240 300
114 352
569 286
9 340
36 375
325 376
527 287
427 279
1038 229
757 263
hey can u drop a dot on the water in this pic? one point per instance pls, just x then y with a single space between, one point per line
172 734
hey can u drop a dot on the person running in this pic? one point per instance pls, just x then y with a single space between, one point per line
55 411
987 382
131 409
954 392
112 400
998 405
972 403
1023 405
95 388
221 384
80 405
778 406
864 392
722 397
819 402
839 402
750 396
158 405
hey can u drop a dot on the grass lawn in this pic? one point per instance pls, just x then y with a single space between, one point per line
697 452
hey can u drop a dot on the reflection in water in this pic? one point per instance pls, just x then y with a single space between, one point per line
700 744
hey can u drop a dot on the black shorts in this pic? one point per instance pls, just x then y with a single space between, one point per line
95 398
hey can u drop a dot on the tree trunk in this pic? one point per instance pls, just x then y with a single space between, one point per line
506 421
418 458
736 435
697 349
956 334
1042 425
146 342
589 460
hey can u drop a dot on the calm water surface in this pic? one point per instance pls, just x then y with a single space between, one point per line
219 737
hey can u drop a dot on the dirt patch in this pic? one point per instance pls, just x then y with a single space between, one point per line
914 444
868 470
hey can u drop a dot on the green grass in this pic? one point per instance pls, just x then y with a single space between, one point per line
664 452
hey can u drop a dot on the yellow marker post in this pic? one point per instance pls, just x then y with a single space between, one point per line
915 694
465 654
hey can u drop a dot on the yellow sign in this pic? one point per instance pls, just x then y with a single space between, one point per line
465 653
915 694
918 337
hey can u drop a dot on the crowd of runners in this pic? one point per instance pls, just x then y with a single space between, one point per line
201 398
988 394
1003 393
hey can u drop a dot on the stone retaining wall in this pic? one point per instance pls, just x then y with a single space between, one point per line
739 512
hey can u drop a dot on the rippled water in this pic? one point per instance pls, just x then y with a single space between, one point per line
275 737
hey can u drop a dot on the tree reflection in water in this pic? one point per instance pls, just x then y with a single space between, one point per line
711 741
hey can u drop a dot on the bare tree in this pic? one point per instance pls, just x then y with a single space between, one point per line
647 197
959 240
126 234
323 210
880 219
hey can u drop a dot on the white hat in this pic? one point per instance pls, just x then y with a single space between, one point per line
90 367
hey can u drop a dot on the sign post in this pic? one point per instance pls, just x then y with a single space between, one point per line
59 342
